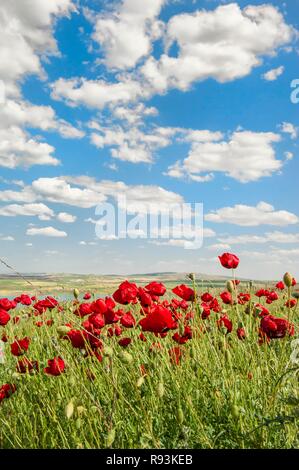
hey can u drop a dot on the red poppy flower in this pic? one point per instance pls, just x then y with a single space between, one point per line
241 333
280 285
127 320
55 367
87 296
184 292
156 289
6 391
25 365
77 338
229 260
206 297
4 317
243 298
186 336
158 320
175 355
126 293
226 322
20 346
7 305
291 303
124 342
226 298
276 327
144 297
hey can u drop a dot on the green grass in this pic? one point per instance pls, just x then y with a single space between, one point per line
225 393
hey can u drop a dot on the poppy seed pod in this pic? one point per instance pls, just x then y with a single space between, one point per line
288 279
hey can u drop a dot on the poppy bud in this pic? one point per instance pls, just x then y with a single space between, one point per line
110 438
78 423
288 279
191 276
80 410
235 412
69 409
76 293
230 286
126 357
160 389
108 351
180 415
140 382
62 330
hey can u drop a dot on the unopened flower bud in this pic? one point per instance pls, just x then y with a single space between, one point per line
180 415
160 389
108 351
110 438
140 382
126 357
191 276
69 409
230 286
288 279
235 412
76 293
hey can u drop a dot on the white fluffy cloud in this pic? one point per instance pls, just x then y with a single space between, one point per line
132 144
125 34
96 93
250 216
246 156
289 128
86 192
40 210
26 34
66 218
269 237
224 44
273 74
19 149
46 232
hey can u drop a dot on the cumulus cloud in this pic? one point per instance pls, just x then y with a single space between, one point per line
96 93
26 34
131 144
46 232
40 210
246 156
250 216
19 149
87 192
224 44
269 237
273 74
66 218
126 33
289 128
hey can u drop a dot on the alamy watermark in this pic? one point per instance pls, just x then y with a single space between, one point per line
295 92
174 224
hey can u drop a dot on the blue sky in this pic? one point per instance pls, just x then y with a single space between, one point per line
174 102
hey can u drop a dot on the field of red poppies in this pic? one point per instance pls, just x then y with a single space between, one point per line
148 368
